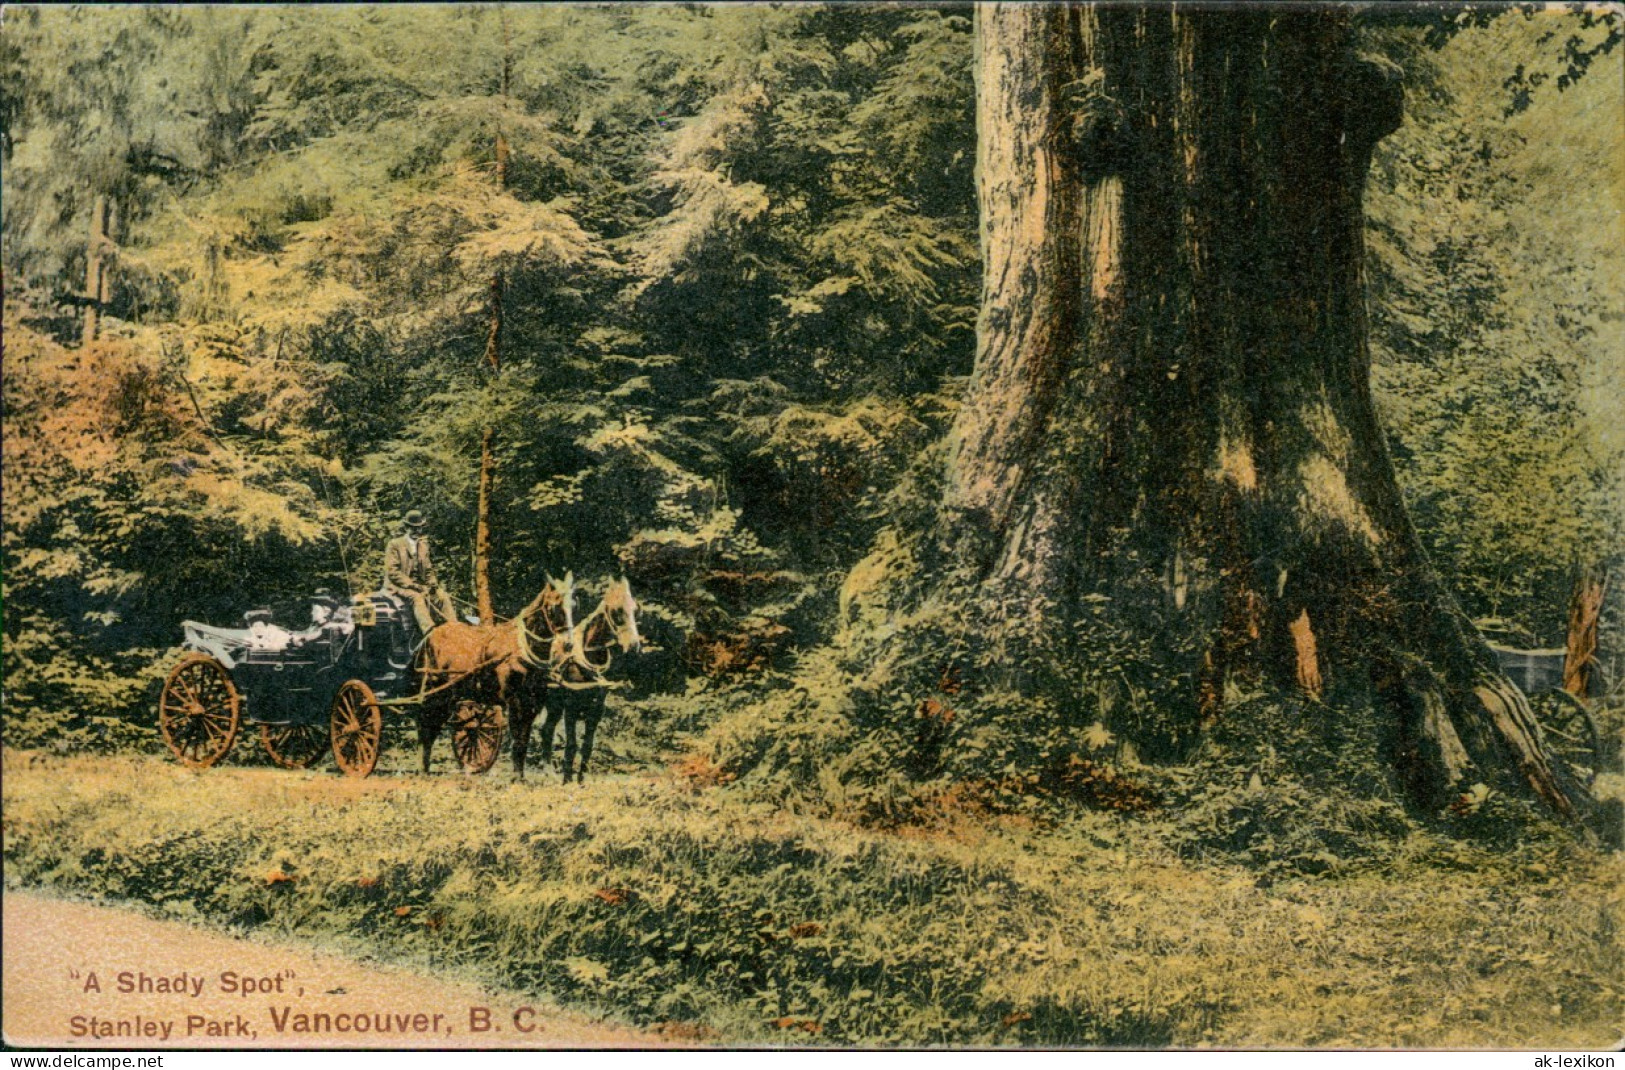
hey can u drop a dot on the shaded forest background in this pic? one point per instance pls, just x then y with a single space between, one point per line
739 276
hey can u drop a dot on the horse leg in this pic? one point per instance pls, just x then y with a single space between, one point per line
521 718
571 723
553 703
431 719
594 713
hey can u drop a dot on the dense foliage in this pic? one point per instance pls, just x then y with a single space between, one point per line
739 257
1497 267
738 252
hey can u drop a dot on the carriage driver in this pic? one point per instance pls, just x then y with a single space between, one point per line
330 622
408 572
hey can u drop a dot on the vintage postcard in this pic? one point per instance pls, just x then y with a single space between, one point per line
839 525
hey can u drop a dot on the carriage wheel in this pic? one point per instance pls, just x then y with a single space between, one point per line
1570 733
476 737
295 746
198 711
358 728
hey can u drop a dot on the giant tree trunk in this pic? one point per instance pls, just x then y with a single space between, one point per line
1172 374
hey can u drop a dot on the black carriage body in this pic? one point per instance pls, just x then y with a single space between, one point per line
372 640
286 686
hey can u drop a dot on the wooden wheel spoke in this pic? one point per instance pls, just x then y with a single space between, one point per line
189 694
198 711
1570 735
355 727
295 746
477 737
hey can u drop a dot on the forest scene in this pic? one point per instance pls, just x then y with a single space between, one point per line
1109 518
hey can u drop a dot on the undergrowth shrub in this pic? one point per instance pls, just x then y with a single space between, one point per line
905 703
1288 785
688 912
942 714
688 907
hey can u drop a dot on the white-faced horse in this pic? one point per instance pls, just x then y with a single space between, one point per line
578 659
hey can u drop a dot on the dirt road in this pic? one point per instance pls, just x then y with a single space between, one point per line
81 975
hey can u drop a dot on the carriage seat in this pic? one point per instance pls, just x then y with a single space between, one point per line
377 608
389 617
1534 671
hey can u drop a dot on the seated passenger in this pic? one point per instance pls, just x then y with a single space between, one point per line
321 607
262 634
328 622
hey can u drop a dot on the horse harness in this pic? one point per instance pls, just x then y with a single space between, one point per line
568 662
456 676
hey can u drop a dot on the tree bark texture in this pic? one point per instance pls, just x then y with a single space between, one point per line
1172 376
98 273
484 605
1585 615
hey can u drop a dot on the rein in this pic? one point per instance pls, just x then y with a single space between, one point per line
575 655
567 652
526 653
457 676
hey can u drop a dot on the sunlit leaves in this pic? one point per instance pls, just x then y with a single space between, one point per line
1495 262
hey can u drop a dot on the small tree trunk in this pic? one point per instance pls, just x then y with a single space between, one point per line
1585 613
492 360
482 534
98 281
482 524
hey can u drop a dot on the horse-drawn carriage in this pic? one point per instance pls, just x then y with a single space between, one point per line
328 687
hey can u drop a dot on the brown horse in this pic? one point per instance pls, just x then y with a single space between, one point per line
492 664
579 660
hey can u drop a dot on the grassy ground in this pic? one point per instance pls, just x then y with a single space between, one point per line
672 904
